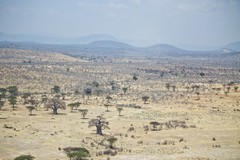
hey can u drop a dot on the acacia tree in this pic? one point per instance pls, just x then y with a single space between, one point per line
235 88
119 109
83 112
30 109
76 153
145 99
99 123
108 99
72 105
13 101
107 106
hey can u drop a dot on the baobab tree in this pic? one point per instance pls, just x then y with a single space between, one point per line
99 123
55 104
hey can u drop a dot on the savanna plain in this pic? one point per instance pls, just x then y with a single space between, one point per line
58 107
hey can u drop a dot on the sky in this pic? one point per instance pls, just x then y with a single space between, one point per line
140 22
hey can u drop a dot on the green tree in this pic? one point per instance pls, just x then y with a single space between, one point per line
111 141
13 90
145 99
13 101
56 89
75 153
24 157
3 92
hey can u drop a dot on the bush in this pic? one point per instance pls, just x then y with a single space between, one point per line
24 157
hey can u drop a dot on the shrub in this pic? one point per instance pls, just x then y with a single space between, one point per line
24 157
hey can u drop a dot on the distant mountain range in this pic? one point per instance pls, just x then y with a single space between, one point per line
55 40
103 45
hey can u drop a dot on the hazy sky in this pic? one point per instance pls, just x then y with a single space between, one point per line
204 22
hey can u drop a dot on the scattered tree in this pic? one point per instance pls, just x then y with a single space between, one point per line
174 88
99 123
124 90
13 90
3 92
154 125
76 105
88 91
55 104
30 108
145 99
1 104
119 109
56 89
95 83
107 106
83 112
13 101
168 86
111 141
235 88
135 77
202 74
108 99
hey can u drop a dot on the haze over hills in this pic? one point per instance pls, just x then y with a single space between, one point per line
55 40
102 37
102 44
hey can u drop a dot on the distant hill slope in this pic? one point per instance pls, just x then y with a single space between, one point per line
30 56
55 40
233 46
112 48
